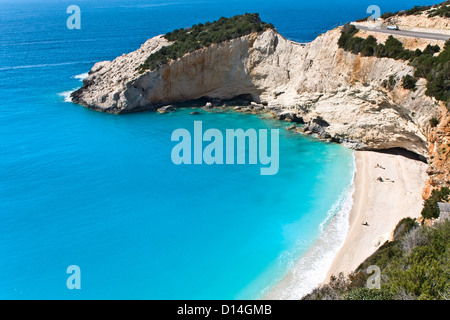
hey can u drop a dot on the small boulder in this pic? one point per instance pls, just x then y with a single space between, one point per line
166 109
291 127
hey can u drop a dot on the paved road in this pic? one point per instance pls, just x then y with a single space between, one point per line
415 34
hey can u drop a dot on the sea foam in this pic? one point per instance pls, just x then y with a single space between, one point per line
66 95
312 268
82 76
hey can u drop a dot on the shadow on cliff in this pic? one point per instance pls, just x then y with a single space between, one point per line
404 153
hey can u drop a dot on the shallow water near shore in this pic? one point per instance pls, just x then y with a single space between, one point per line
111 202
99 191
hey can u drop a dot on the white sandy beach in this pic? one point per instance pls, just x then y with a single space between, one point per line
381 204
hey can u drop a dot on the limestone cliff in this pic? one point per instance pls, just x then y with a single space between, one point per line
439 148
337 94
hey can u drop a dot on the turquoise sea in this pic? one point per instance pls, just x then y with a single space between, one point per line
100 191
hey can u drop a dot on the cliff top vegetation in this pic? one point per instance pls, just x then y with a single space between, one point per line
203 35
438 10
432 63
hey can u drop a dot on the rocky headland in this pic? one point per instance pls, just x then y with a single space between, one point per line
334 93
356 99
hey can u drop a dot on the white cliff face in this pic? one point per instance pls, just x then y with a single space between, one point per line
338 94
105 89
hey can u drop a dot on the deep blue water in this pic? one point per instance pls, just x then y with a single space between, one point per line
78 187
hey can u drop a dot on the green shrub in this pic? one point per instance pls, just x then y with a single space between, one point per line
423 273
442 10
389 83
356 45
434 122
369 45
423 63
347 32
409 82
368 294
438 77
432 49
403 227
382 257
368 51
349 28
363 19
387 15
417 10
393 47
431 209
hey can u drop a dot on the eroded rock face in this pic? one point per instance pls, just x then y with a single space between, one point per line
315 81
109 86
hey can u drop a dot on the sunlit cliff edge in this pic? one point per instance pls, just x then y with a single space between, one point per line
336 94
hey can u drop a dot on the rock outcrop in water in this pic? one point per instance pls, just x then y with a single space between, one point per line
337 94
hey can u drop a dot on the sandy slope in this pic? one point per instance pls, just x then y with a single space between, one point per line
381 204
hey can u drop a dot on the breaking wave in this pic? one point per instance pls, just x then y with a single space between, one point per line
312 268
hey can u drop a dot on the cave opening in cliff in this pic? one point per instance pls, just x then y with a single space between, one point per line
404 153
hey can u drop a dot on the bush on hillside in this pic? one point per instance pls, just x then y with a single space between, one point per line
409 82
434 122
431 209
413 266
442 10
435 69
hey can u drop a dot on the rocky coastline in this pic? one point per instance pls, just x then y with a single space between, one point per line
335 94
320 89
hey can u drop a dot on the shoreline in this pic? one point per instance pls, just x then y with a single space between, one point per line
381 204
